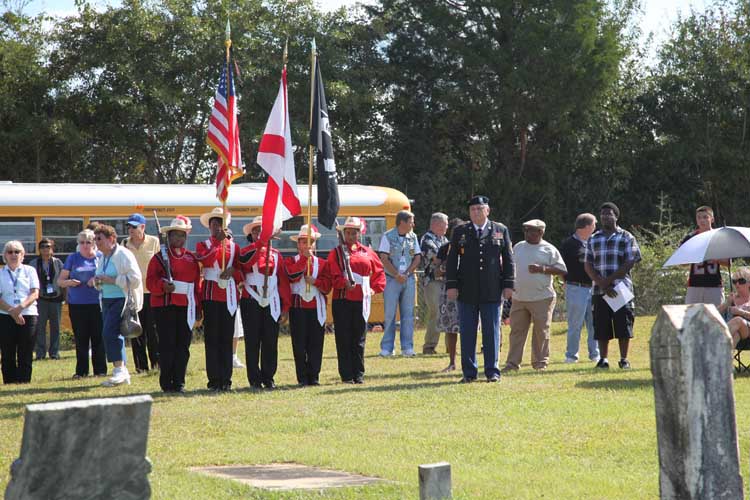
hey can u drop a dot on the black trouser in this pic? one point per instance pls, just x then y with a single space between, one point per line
149 339
174 346
350 330
218 332
86 320
307 343
17 348
261 342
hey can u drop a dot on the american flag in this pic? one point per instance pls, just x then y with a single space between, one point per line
224 135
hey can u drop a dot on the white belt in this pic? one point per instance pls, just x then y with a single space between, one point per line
255 280
213 274
187 289
364 282
300 288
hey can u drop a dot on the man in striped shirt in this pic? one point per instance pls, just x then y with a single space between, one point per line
611 253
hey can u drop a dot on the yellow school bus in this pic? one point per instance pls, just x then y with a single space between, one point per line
29 212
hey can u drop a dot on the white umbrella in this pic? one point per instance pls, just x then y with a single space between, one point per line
723 243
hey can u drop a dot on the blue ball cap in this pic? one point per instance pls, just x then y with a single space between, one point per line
136 220
479 200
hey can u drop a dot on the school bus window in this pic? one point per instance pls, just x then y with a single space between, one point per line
21 229
64 232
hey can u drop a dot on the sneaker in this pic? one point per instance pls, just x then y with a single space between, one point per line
409 353
570 361
119 376
385 354
624 364
594 359
508 369
602 364
236 363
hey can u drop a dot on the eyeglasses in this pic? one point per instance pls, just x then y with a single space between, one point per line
85 242
14 252
740 281
42 247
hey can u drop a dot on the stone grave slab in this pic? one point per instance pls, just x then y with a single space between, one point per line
83 449
286 476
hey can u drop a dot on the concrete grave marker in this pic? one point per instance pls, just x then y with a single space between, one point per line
435 481
286 476
691 362
84 449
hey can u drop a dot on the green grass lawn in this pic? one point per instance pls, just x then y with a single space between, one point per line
568 433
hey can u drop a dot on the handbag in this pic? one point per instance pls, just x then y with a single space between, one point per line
130 325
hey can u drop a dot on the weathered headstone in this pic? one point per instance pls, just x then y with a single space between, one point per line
435 481
691 362
84 449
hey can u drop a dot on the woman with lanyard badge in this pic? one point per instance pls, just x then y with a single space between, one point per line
174 280
19 289
117 273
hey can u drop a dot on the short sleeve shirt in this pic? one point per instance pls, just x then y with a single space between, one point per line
607 252
82 269
15 286
429 246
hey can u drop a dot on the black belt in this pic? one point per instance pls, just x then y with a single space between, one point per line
584 285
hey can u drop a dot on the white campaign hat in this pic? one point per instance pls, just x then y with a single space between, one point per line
351 223
216 213
179 223
303 233
257 221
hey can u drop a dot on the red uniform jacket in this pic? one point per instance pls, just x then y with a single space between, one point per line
209 253
255 253
184 268
364 262
296 268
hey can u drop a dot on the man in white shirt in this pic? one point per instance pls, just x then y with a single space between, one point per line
537 261
400 253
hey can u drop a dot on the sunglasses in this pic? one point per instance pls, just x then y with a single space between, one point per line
740 281
14 252
44 246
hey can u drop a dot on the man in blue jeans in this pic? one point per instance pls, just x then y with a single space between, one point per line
400 253
480 274
578 289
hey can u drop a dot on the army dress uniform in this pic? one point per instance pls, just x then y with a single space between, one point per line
480 266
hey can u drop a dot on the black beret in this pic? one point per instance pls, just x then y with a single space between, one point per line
479 200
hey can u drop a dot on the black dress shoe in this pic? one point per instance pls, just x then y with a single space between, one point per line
467 380
494 378
314 382
359 380
256 385
270 385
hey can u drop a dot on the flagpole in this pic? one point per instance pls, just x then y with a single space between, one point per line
228 44
311 155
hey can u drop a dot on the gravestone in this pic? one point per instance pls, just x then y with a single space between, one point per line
435 481
84 449
691 363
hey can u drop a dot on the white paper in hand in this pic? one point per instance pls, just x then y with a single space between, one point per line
624 295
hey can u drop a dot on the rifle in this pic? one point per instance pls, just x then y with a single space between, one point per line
346 258
164 255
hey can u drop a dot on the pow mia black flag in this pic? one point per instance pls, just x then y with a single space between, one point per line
320 138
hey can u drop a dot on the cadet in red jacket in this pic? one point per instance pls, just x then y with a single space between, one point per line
310 283
261 311
357 274
173 278
220 297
